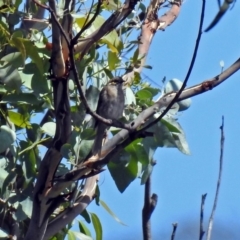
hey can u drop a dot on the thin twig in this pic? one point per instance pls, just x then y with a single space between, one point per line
210 225
86 23
188 73
202 232
148 208
54 18
174 230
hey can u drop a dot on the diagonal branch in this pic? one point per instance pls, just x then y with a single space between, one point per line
123 138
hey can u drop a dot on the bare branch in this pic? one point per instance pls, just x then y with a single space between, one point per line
188 73
170 16
174 230
210 225
148 30
201 232
148 208
86 23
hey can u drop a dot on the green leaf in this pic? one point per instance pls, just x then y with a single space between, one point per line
97 195
66 151
10 77
112 38
6 182
33 53
144 94
88 134
15 59
71 235
181 143
3 176
147 66
86 216
85 147
150 146
105 206
154 91
173 86
123 171
83 228
97 226
18 119
24 210
34 80
135 56
146 173
92 94
113 60
81 236
171 127
29 158
26 98
3 162
49 128
18 43
137 151
34 132
7 137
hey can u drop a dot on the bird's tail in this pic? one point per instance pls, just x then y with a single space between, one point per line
97 145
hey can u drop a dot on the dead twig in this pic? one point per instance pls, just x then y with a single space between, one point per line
201 232
210 224
148 208
174 230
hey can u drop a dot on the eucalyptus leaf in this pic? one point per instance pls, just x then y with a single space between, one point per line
7 137
84 229
81 236
146 173
97 226
123 174
105 206
18 119
71 235
49 128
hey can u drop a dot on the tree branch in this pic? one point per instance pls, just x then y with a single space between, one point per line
71 213
201 232
122 138
148 208
174 230
210 225
188 73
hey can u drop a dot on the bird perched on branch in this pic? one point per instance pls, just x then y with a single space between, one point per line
110 106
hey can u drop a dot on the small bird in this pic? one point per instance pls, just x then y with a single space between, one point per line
110 106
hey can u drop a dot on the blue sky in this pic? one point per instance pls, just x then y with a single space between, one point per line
180 180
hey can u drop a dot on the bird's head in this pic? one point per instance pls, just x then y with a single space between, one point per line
116 81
